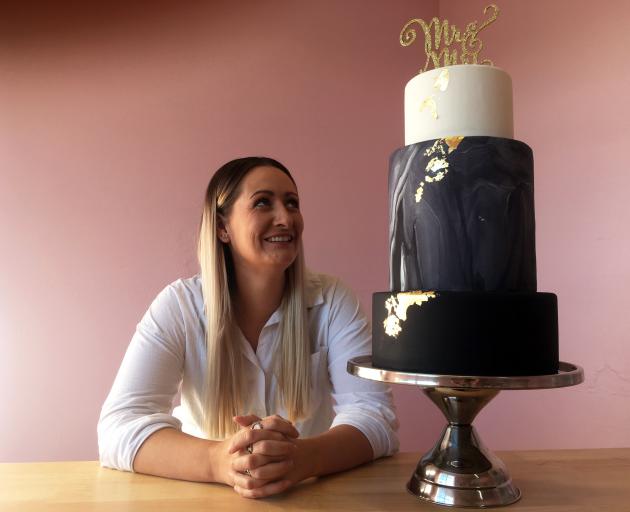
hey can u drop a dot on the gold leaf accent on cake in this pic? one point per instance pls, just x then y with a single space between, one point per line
437 177
438 166
419 192
441 81
431 105
397 305
445 44
436 147
453 142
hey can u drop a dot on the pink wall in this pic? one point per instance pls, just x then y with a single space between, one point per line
568 63
113 118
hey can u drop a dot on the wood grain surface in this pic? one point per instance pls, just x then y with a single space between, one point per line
562 480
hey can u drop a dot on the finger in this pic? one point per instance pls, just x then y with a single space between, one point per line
272 471
266 490
274 448
242 439
245 420
247 461
279 424
246 481
280 417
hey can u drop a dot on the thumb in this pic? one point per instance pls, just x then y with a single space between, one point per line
246 420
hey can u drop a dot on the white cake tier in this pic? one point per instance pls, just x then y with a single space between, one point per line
466 99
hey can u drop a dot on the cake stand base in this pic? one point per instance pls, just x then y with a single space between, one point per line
459 470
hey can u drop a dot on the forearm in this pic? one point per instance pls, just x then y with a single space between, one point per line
172 454
340 448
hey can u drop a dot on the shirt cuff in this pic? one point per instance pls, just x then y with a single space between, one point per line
379 430
118 446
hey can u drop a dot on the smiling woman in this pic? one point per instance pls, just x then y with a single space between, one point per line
253 339
265 225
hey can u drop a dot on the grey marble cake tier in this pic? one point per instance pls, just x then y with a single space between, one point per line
461 215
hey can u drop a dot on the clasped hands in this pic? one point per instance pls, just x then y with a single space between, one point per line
274 462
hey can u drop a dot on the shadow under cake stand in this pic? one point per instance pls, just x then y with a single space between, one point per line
459 471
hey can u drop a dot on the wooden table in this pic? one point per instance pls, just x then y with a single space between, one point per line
562 480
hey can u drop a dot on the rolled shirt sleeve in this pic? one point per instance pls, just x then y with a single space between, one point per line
364 404
141 399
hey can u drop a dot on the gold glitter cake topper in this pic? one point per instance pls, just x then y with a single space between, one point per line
446 45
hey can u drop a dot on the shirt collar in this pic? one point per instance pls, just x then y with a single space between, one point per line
313 290
314 295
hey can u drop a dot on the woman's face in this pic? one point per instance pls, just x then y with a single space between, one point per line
264 226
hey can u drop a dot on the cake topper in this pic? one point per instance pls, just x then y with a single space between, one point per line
442 45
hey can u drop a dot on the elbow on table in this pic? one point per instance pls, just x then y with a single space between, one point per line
120 437
109 446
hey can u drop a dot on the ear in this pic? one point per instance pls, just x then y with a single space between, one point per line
222 233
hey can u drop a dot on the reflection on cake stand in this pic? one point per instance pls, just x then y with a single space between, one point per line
459 470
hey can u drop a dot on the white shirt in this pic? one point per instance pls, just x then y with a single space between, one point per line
168 350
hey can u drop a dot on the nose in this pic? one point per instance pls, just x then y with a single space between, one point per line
282 216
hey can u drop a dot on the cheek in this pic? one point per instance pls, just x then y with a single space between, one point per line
258 228
247 235
299 223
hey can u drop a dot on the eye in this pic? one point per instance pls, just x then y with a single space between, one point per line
293 203
261 202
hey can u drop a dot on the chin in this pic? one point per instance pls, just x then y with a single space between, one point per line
283 264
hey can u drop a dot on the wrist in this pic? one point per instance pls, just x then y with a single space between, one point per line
214 467
308 460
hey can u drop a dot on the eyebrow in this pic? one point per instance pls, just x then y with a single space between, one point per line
270 192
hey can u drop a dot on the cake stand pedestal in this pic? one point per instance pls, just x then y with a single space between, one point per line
459 471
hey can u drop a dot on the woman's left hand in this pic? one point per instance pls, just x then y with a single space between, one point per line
252 473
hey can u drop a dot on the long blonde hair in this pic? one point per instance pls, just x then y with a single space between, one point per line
224 391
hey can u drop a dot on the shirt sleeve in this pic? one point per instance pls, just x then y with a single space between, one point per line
141 398
366 405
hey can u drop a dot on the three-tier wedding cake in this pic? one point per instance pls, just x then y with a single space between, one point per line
463 297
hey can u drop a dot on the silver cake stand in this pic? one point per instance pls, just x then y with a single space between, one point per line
459 471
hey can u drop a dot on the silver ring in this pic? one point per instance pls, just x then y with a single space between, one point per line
257 425
247 472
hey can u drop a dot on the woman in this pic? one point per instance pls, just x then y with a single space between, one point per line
253 336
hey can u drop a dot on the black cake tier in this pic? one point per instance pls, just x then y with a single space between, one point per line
466 333
461 213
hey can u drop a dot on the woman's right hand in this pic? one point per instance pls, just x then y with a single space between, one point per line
271 457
